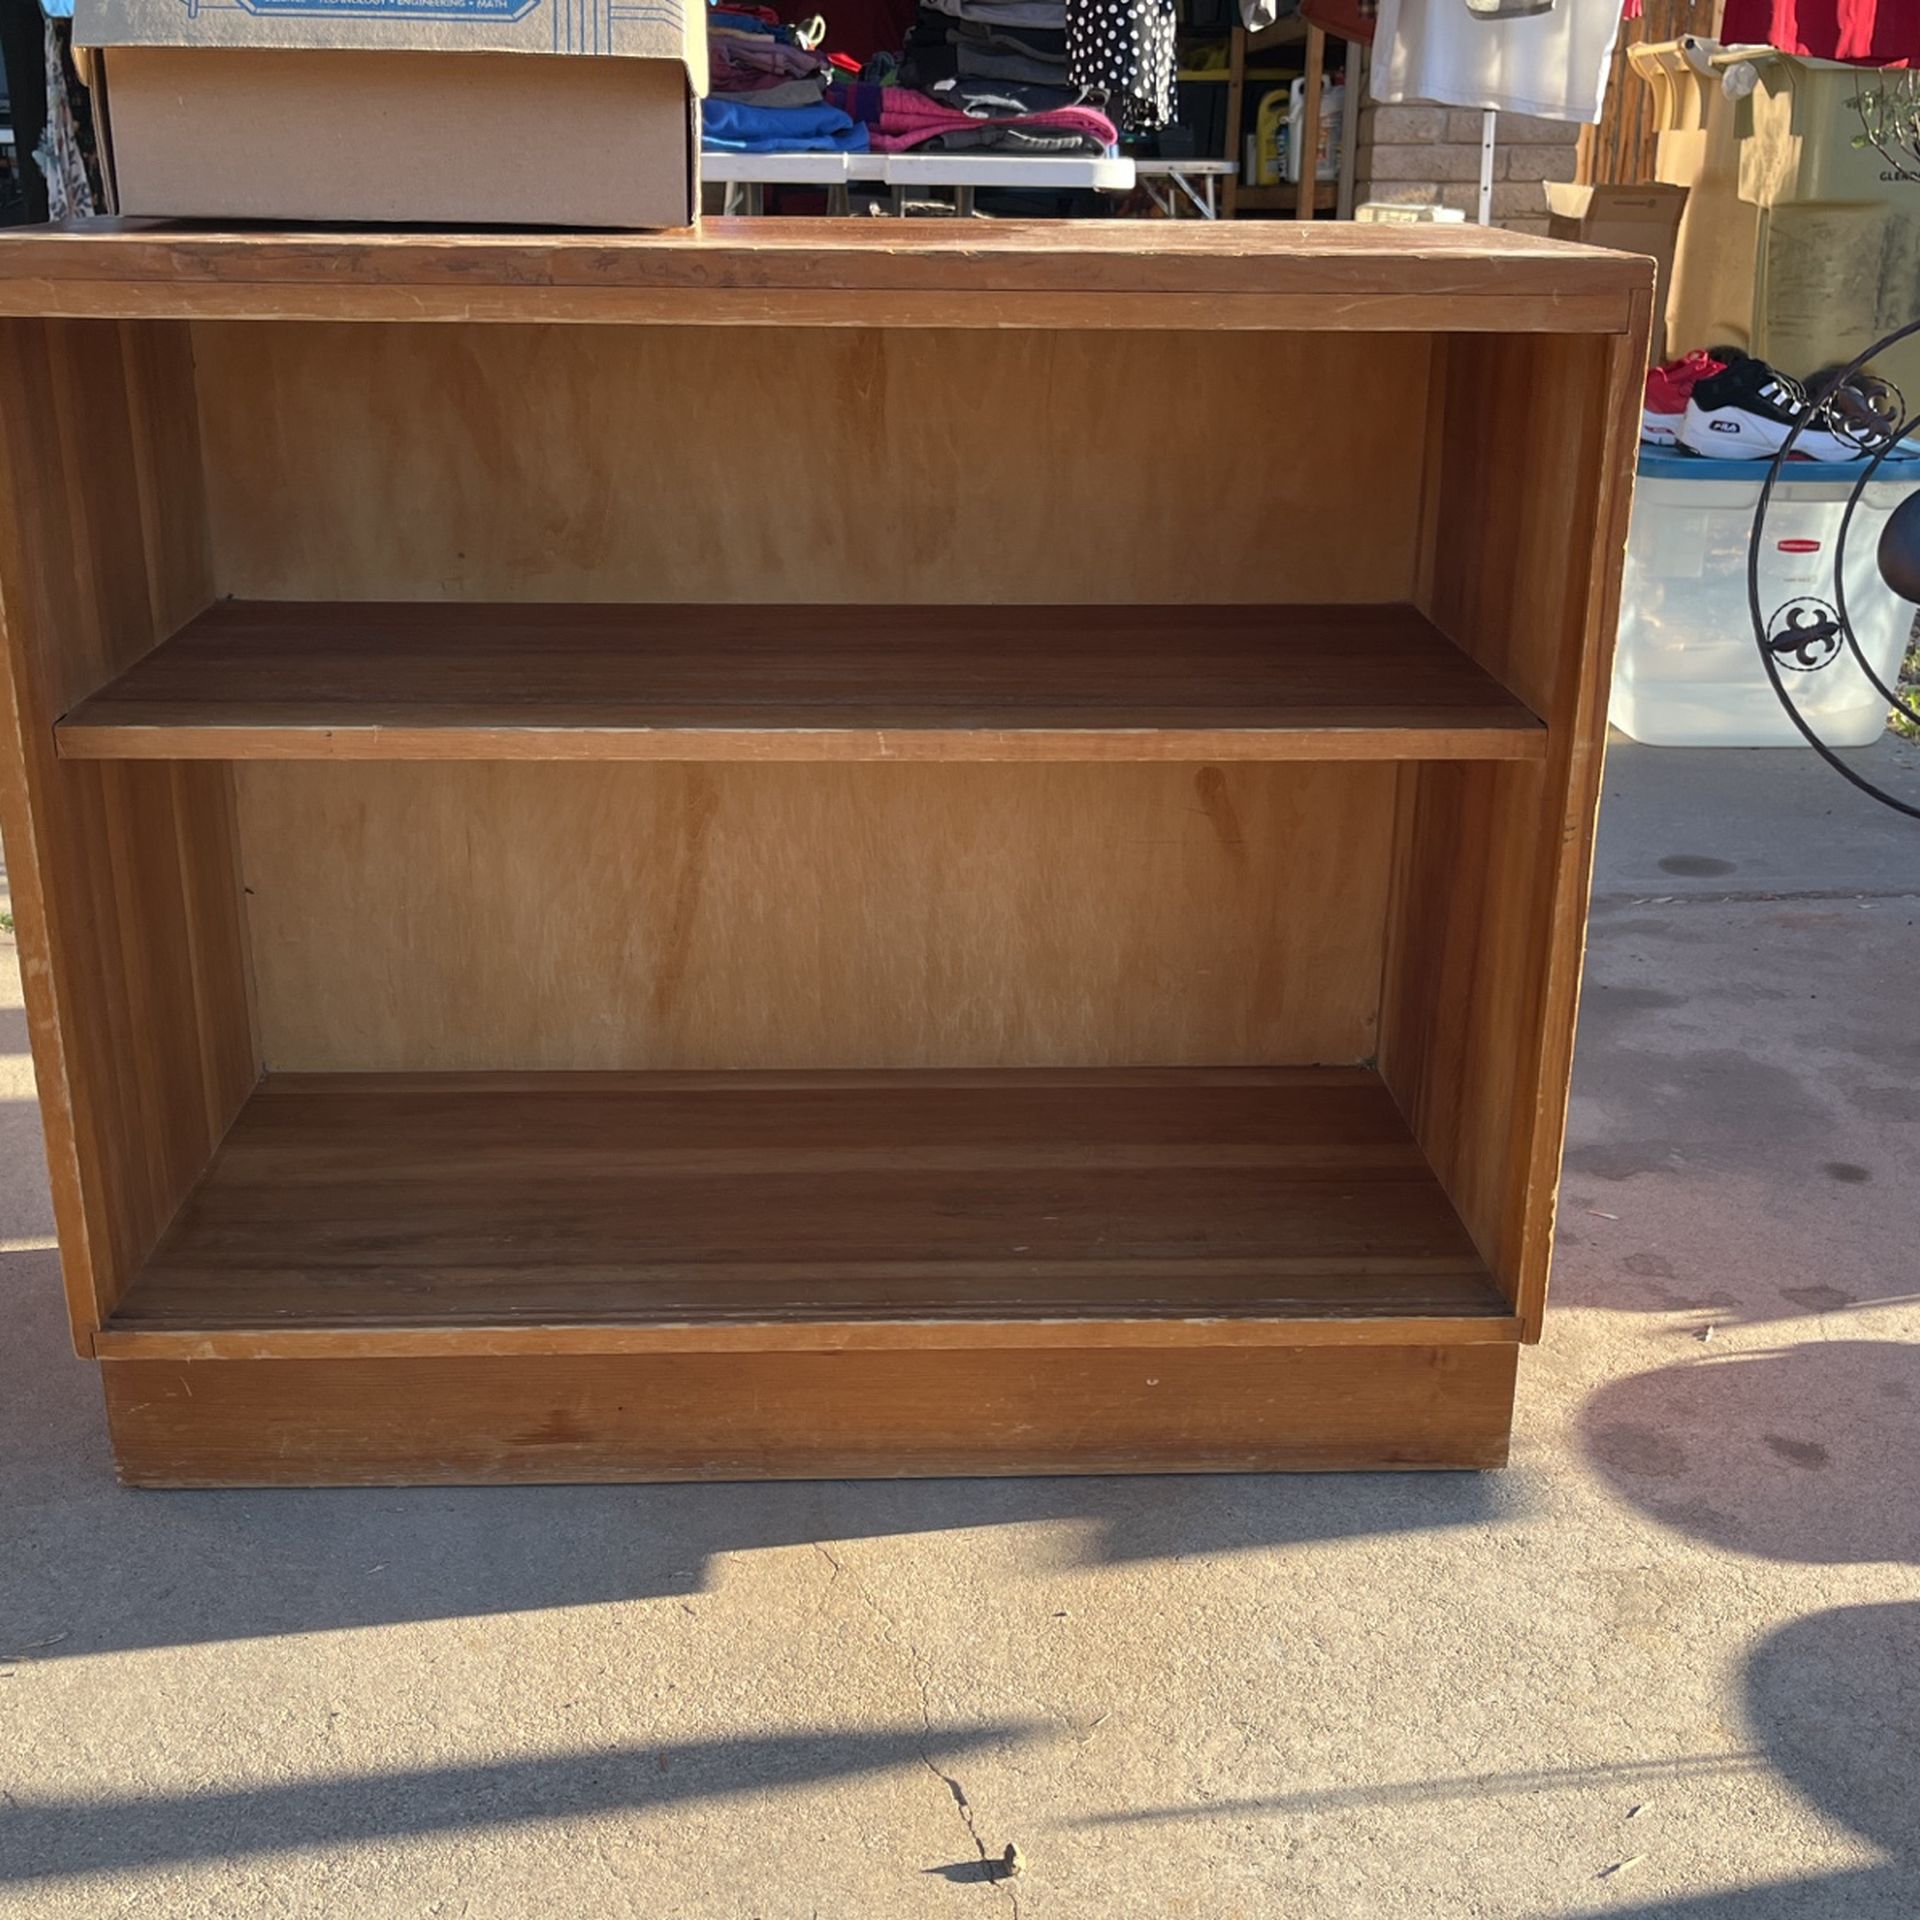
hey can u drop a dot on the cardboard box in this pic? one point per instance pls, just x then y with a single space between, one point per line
1629 220
564 113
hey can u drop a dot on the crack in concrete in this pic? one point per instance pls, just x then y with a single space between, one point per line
918 1665
1739 897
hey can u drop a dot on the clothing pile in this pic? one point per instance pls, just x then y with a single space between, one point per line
1114 56
958 115
769 88
998 75
1725 405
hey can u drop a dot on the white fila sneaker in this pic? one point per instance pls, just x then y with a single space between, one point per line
1746 412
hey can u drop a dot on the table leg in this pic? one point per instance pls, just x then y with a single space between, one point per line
1178 184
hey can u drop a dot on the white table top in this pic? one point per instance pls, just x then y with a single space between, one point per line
793 169
1058 170
1195 169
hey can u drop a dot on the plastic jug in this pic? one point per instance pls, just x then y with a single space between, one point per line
1270 139
1333 107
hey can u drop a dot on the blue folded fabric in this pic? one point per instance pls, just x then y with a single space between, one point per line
730 125
745 23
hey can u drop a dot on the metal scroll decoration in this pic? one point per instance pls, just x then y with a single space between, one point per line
1808 633
1805 634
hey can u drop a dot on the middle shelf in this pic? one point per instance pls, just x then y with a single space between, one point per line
346 680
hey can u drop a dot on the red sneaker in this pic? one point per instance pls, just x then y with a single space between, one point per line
1669 388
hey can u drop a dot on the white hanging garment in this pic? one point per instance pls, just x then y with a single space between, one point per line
1552 65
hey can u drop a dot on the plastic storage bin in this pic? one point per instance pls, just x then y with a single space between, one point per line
1687 672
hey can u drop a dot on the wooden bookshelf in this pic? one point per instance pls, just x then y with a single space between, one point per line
769 852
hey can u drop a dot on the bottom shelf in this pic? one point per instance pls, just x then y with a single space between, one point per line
368 1215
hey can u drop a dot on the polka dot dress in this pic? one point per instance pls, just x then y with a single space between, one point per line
1124 48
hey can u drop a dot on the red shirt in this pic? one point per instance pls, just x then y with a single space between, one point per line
1874 33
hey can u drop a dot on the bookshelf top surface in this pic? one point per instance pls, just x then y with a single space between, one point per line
886 273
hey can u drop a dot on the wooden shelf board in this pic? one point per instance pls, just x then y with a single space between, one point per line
834 272
418 681
358 1214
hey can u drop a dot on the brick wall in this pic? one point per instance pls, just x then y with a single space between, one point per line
1431 156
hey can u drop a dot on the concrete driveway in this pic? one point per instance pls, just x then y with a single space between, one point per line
1666 1665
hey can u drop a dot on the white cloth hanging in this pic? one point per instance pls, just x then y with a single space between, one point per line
58 156
1552 65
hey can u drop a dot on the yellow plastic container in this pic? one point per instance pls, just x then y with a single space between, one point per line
1795 244
1838 261
1269 139
1797 129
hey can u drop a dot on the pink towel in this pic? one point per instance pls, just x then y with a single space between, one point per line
1093 128
906 118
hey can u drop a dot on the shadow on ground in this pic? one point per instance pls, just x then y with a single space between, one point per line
1746 1109
1832 1707
1807 1454
45 1840
1834 1699
87 1566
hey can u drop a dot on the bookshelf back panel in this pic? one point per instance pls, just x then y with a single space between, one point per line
410 917
682 464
